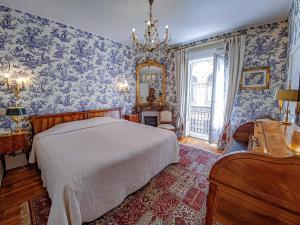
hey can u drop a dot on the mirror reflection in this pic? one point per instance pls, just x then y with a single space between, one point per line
151 79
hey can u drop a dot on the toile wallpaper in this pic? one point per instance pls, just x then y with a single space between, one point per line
68 69
266 45
73 70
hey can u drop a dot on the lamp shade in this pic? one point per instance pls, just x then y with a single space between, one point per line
288 95
15 111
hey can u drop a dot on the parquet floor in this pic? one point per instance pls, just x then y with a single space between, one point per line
22 184
18 186
198 143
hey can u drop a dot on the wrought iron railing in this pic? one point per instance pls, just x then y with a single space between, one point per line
200 119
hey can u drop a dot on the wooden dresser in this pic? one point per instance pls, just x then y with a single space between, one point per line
259 185
12 142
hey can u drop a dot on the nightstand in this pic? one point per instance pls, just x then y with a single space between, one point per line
132 118
10 143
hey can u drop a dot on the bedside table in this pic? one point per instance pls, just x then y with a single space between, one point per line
132 118
10 143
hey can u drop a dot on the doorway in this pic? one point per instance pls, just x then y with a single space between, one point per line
205 94
201 83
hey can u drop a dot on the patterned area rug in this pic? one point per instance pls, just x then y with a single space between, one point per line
177 195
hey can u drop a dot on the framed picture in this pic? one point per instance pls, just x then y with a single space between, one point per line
255 79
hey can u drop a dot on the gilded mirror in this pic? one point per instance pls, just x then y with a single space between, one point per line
151 83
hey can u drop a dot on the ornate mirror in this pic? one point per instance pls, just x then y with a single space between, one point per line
151 83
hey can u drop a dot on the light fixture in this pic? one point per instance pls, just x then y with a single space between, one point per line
16 113
122 85
287 96
151 37
15 86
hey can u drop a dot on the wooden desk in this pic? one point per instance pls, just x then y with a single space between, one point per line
260 185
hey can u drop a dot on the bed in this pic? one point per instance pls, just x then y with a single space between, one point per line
90 161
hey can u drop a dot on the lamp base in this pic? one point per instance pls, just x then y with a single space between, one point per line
17 120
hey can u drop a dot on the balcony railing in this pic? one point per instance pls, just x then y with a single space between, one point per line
200 120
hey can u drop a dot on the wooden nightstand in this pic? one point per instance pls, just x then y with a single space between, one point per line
132 118
10 143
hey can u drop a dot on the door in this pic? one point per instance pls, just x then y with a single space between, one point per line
200 97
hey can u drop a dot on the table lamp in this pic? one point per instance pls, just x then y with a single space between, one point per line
16 113
287 96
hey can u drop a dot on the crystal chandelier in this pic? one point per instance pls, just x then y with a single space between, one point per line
151 36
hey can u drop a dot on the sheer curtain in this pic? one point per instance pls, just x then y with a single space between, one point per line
234 60
181 88
218 99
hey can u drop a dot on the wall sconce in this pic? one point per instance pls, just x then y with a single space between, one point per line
15 86
122 85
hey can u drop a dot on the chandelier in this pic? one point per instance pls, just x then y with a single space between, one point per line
151 37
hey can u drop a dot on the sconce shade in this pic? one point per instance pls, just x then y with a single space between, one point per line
288 95
15 111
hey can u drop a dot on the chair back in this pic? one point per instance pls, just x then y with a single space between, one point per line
165 117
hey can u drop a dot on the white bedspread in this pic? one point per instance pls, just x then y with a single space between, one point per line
90 166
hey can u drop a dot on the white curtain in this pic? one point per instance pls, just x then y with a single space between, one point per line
234 60
181 88
218 99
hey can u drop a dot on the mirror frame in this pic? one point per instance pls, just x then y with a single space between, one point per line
147 63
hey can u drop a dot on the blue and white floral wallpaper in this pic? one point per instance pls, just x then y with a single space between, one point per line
266 45
74 70
68 69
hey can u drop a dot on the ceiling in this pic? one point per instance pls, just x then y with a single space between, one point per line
187 19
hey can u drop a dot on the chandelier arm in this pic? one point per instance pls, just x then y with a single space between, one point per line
151 37
149 49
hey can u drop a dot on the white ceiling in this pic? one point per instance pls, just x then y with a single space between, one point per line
187 19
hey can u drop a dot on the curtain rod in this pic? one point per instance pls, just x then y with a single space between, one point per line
216 40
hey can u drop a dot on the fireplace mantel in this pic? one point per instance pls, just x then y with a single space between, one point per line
149 107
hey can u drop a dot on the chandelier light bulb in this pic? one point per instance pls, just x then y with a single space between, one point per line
148 23
133 30
167 27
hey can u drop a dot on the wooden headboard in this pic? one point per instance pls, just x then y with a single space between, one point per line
44 122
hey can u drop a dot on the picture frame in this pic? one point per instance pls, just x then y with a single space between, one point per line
255 79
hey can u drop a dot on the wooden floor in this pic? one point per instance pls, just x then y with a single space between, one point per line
22 184
18 186
198 143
